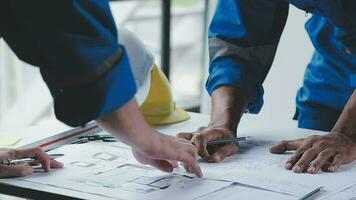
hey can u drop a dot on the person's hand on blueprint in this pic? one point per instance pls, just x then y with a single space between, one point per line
165 154
149 146
317 153
327 152
25 170
211 153
228 104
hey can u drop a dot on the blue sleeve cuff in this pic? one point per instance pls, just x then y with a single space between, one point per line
353 80
224 72
78 105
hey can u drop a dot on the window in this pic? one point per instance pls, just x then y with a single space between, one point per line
188 25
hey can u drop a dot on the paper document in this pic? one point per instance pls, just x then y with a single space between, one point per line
237 191
111 171
255 165
348 193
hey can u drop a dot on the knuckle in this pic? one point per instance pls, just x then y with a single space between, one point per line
38 150
338 157
301 150
307 142
310 152
13 153
325 153
322 144
199 136
284 142
292 158
313 138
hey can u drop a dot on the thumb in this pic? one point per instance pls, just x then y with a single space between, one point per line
286 145
186 136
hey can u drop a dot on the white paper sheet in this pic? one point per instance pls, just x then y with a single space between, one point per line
254 165
348 193
109 170
237 191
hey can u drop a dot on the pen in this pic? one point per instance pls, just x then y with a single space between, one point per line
28 161
229 141
307 196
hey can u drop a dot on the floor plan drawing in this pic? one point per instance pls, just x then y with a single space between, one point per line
108 157
82 164
145 183
109 171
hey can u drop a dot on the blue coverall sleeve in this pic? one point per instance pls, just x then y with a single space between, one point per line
243 38
353 80
74 42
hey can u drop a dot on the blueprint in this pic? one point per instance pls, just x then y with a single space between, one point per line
255 166
237 191
109 170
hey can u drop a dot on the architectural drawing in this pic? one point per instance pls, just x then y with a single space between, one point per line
82 164
111 171
138 180
107 156
107 171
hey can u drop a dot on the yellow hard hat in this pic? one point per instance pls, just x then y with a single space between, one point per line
154 94
159 107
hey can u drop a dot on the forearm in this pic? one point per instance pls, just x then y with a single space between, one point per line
129 125
346 123
228 105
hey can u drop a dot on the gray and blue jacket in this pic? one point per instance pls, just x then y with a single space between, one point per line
243 38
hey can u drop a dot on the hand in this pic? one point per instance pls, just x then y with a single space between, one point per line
25 170
213 153
317 153
165 151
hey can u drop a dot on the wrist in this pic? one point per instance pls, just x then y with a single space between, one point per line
228 106
346 130
149 143
128 124
346 124
223 125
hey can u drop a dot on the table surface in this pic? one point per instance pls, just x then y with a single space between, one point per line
250 125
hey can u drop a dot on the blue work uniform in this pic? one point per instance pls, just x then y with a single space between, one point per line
75 45
243 38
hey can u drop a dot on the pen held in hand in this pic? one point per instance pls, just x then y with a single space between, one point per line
28 161
229 141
